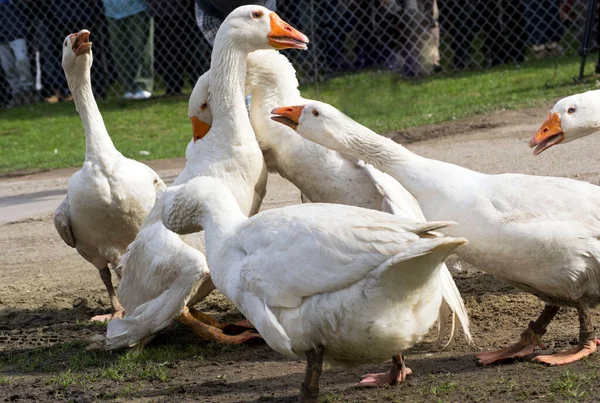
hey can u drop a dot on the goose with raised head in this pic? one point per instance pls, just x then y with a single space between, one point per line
321 174
345 283
541 234
110 196
223 146
571 118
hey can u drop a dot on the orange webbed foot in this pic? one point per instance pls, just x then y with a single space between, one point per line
569 356
524 347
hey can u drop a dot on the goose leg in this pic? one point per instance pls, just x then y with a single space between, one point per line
227 328
309 391
530 338
397 373
208 332
117 308
587 343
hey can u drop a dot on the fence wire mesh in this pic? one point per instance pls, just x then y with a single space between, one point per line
145 48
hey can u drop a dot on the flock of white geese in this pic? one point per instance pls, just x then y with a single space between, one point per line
356 276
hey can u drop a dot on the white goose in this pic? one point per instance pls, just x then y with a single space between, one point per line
324 175
571 118
108 199
321 174
227 150
541 234
351 284
165 274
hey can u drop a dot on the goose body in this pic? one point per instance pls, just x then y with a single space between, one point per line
321 174
354 284
109 198
537 233
158 259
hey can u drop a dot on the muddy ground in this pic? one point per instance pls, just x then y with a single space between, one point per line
47 292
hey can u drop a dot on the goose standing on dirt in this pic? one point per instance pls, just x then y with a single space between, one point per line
541 234
110 196
165 274
350 284
571 118
324 175
227 150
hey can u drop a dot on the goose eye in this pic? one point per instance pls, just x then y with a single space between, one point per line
203 106
65 45
257 14
571 110
315 113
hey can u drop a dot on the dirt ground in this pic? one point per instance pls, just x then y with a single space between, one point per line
47 293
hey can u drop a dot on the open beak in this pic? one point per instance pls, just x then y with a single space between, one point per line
81 43
200 128
549 134
284 36
288 115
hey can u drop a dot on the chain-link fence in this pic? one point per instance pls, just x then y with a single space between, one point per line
146 48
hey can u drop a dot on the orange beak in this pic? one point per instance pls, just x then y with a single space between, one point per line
200 128
288 115
284 36
81 44
549 134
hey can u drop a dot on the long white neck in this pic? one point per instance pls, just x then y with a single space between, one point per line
228 74
272 82
422 177
98 144
274 86
221 217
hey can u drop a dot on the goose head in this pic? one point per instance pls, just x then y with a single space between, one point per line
77 56
199 111
570 118
257 27
318 122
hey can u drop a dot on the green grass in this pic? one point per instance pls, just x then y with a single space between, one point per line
69 365
572 385
385 103
51 136
442 389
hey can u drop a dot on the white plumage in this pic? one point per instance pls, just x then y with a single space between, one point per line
360 283
108 199
538 233
157 259
321 174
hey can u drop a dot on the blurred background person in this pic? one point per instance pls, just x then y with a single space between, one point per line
360 18
542 22
499 23
331 33
13 54
173 20
4 90
131 31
